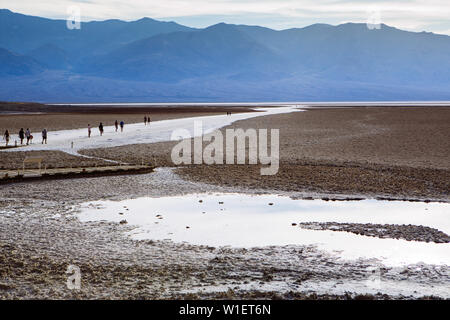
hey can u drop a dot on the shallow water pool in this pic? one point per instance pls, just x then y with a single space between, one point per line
240 220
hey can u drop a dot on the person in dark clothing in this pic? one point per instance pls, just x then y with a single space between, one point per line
44 136
100 128
145 120
6 136
121 125
116 124
21 135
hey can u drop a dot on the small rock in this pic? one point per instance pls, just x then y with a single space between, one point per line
123 221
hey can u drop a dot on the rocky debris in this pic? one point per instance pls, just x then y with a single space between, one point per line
123 222
393 231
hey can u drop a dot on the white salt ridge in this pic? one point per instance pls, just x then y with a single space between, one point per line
157 131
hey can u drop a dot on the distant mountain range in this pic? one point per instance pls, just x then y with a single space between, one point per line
149 60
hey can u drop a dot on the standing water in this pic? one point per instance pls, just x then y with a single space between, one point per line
240 220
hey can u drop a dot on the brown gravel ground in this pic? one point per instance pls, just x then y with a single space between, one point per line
373 151
52 159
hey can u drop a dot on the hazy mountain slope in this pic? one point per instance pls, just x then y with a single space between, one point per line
220 50
13 64
353 52
349 52
51 56
22 33
65 87
152 60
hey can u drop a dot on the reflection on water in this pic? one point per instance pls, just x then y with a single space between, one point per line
248 221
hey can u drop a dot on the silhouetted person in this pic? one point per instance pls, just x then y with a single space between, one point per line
100 128
121 125
145 120
6 136
116 124
44 136
21 135
89 130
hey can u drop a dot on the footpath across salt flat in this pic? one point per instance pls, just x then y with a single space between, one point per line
71 141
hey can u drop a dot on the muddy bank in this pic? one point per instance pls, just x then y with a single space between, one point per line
384 231
331 178
41 236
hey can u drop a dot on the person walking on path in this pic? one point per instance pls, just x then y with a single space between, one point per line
100 128
21 135
89 130
121 126
148 120
44 136
6 136
145 120
116 124
28 136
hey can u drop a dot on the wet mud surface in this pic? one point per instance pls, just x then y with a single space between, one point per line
383 231
40 236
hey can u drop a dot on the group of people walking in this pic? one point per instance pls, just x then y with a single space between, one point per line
25 135
117 124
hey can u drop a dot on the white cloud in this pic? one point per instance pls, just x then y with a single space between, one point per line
417 15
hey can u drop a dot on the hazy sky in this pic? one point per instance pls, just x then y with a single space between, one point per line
414 15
